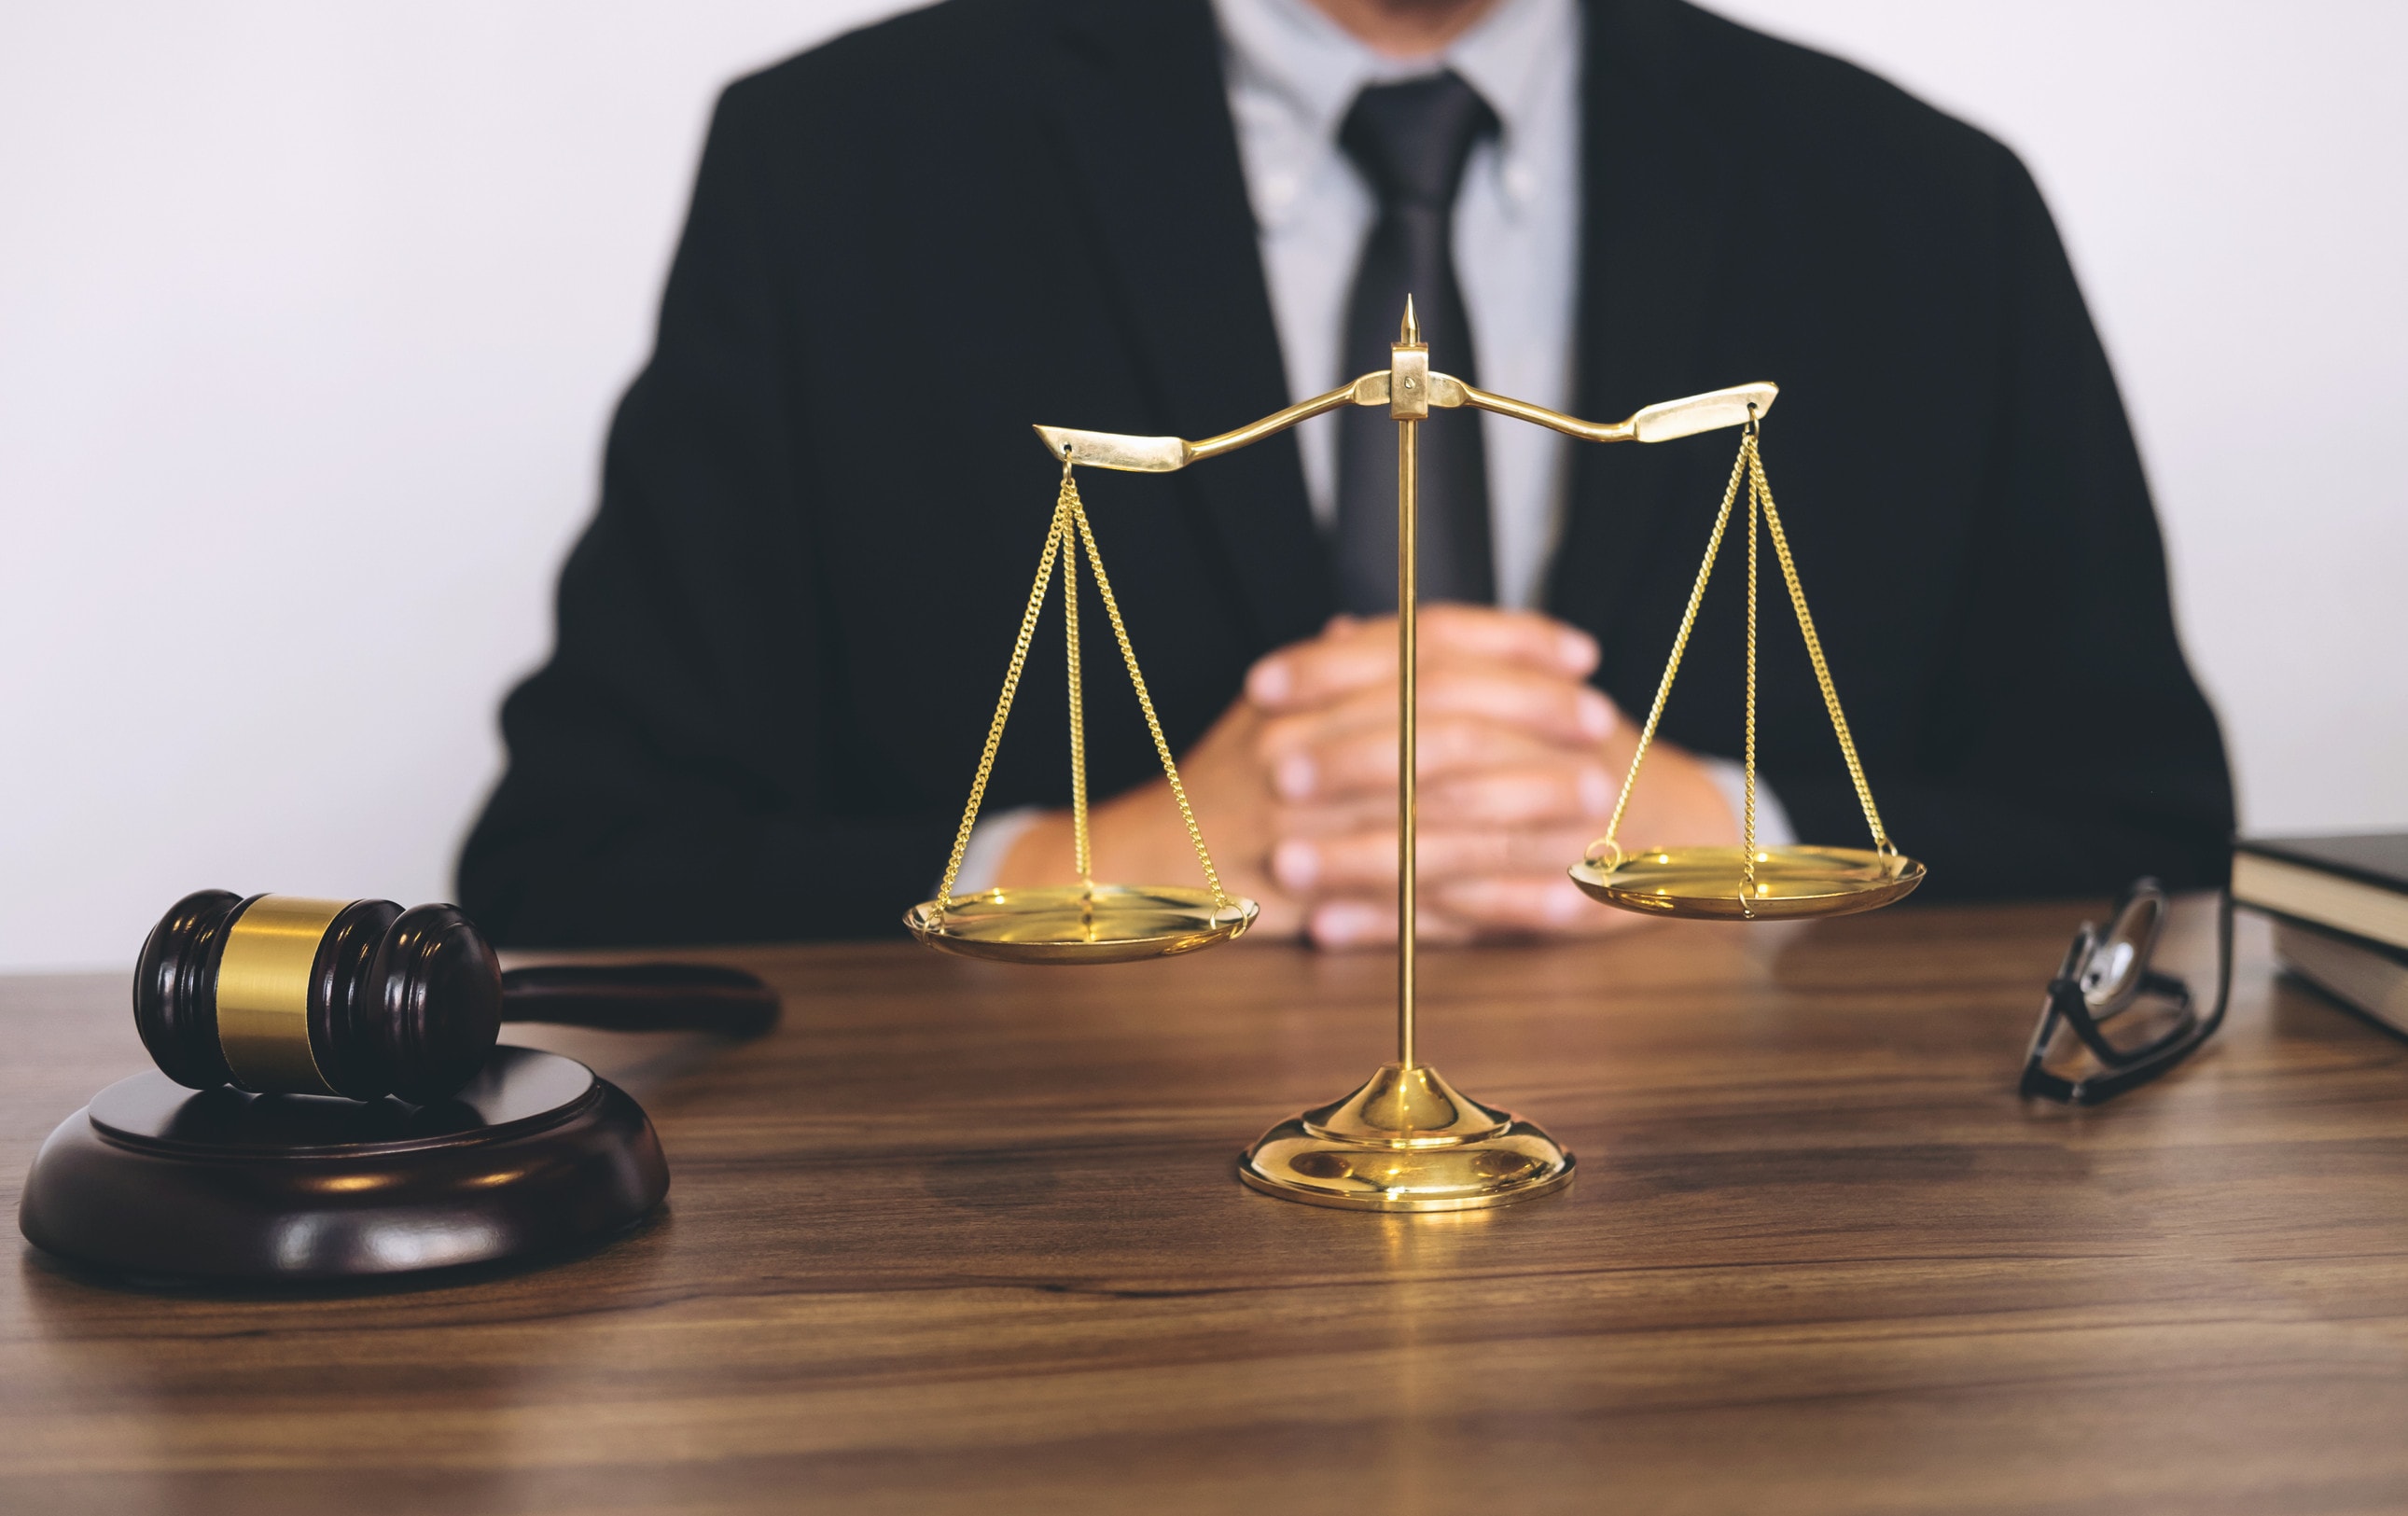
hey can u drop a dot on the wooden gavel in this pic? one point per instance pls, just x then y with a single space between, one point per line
284 995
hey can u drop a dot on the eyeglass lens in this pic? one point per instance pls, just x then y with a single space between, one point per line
2118 961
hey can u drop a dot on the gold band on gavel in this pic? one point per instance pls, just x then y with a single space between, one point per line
264 994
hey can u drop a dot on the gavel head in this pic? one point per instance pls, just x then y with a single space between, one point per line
287 995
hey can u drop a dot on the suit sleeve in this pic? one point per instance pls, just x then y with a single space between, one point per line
2066 748
674 771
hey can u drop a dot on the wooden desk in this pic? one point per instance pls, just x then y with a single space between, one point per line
1818 1258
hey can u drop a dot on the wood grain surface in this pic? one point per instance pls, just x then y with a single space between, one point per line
961 1237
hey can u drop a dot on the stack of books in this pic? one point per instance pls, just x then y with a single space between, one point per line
2340 906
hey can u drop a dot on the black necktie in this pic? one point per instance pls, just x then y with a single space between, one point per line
1411 141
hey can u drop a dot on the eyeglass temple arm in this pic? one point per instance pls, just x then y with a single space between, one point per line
2071 1004
1658 422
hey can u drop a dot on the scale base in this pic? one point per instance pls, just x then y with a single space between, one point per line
1406 1141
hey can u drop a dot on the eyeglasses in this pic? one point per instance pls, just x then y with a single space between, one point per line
2130 1022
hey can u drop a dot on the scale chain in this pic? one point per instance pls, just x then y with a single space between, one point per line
1747 769
1054 541
1814 650
1680 645
1747 466
1087 534
1079 849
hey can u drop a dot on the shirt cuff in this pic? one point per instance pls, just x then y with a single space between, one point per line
990 843
1773 829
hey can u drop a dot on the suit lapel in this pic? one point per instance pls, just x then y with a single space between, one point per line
1663 180
1139 102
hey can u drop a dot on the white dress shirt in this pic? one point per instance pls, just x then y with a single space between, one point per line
1292 73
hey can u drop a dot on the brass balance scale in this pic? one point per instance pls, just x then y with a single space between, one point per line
1405 1140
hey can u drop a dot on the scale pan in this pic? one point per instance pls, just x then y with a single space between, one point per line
1072 923
1705 884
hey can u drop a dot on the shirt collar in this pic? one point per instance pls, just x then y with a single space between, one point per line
1294 73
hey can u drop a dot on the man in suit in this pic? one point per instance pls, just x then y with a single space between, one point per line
781 638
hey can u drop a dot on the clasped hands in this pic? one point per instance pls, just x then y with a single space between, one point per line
1295 787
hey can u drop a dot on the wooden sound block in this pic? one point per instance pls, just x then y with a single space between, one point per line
155 1181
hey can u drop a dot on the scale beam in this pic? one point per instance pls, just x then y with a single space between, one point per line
1659 423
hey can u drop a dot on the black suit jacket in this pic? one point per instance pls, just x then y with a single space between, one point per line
780 639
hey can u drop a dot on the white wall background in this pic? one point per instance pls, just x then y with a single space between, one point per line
312 318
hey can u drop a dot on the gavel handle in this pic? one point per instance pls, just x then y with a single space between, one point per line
641 997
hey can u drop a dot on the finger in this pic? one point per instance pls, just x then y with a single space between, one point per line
1555 791
1310 674
1365 762
1546 705
1513 637
1365 924
1365 861
1538 904
1333 816
1352 745
1352 654
1550 705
